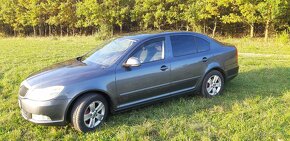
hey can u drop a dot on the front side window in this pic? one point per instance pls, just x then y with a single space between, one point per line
183 45
150 51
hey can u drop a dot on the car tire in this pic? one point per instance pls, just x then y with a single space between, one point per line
89 112
213 84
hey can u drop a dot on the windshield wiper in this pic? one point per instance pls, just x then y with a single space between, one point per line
80 58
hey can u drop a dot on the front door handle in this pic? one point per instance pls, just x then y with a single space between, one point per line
204 59
163 68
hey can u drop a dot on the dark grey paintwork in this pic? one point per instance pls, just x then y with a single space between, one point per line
128 87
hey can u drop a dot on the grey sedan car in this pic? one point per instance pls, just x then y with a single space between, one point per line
126 72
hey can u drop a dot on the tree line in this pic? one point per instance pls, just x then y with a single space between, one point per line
86 17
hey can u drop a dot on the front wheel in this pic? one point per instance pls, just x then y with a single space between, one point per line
213 84
89 112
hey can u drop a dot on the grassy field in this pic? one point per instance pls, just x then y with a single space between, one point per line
254 106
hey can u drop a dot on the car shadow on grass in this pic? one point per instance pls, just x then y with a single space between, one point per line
260 83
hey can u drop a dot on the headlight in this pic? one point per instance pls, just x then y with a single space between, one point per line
45 93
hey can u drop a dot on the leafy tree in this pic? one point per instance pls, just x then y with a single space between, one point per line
244 11
34 14
103 15
174 13
88 13
270 10
192 14
8 14
214 10
52 10
62 13
66 15
108 16
119 11
30 15
143 13
50 7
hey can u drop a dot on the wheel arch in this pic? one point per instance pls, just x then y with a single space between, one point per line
73 101
220 70
215 66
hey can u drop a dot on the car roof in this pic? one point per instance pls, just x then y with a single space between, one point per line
140 37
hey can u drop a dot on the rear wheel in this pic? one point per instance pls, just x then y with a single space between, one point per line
213 84
89 112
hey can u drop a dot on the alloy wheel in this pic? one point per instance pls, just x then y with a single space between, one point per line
94 114
214 85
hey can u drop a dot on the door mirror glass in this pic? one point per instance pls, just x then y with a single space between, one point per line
132 62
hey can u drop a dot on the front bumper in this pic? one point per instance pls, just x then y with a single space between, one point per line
54 109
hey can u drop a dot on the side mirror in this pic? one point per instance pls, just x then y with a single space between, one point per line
132 62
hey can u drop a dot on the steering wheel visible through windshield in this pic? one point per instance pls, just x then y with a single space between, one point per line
111 52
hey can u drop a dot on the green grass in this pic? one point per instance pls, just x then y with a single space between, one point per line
254 105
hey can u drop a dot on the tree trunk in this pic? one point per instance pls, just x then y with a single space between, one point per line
187 27
54 31
73 31
252 30
49 30
121 28
267 30
61 30
34 31
81 31
67 31
39 30
112 30
204 27
214 28
92 32
45 32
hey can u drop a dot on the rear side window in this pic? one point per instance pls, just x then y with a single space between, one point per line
183 45
201 44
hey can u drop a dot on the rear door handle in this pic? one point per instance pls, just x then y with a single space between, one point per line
163 68
204 59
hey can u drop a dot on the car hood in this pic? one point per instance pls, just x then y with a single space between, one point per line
64 73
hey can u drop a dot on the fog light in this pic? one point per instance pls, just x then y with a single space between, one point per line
40 117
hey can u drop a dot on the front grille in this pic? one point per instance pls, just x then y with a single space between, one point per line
23 90
26 115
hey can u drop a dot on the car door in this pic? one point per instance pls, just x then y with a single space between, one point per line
151 78
187 65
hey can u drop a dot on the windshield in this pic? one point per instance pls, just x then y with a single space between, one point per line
111 52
